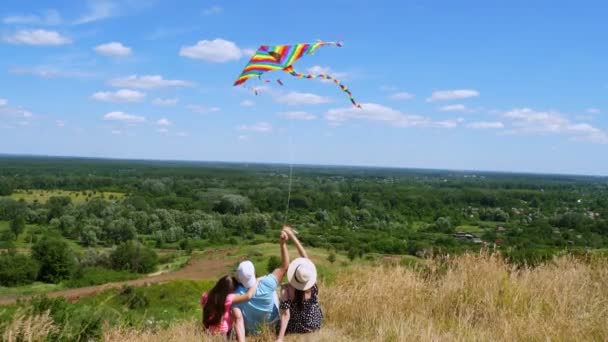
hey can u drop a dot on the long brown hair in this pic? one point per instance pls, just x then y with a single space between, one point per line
214 309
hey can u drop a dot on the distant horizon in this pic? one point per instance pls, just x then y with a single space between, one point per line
286 164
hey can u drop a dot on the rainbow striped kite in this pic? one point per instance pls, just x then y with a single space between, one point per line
282 57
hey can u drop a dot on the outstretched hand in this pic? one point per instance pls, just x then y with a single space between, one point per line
283 237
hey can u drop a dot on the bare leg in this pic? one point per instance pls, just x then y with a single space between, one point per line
238 322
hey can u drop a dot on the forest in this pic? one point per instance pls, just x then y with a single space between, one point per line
72 220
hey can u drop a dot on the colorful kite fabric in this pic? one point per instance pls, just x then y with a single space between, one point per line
282 57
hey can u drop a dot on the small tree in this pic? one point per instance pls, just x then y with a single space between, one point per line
17 269
55 259
134 257
18 225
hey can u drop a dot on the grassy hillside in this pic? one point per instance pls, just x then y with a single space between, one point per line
470 297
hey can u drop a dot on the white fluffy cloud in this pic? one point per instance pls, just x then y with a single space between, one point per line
113 49
213 10
3 102
215 51
37 37
98 10
295 98
297 115
60 123
247 103
260 127
486 125
165 102
453 108
375 112
526 120
148 82
123 117
119 96
445 95
202 109
50 17
164 122
402 96
593 111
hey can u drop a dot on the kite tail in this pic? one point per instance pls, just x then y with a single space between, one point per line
294 73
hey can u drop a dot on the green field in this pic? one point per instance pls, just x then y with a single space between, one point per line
78 197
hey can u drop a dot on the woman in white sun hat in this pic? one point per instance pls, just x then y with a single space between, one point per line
300 310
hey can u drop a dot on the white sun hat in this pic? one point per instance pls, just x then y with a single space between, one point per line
245 273
302 274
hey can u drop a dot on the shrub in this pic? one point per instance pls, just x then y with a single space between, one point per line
134 257
55 259
17 269
88 276
274 262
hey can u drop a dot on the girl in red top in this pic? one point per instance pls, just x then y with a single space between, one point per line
217 302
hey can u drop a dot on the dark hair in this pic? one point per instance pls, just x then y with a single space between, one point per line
214 308
299 298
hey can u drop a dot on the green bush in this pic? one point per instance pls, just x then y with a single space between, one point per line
55 259
17 269
134 257
133 298
274 262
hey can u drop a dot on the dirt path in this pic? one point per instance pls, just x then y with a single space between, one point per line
208 265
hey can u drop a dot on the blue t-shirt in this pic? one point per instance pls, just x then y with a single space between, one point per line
263 307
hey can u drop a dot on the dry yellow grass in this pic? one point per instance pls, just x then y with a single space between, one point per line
464 298
29 328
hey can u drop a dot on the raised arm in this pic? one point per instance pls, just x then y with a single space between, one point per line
295 240
246 296
279 273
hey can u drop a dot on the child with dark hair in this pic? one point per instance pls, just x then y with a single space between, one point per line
217 305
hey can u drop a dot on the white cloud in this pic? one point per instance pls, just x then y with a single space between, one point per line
444 95
260 127
120 96
297 115
148 82
215 51
113 49
247 103
37 37
165 102
593 111
375 112
59 123
317 70
3 102
486 125
213 10
526 120
50 72
163 122
98 10
50 17
453 108
202 109
123 117
402 96
182 134
243 137
295 98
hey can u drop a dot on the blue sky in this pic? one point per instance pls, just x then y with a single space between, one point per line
517 86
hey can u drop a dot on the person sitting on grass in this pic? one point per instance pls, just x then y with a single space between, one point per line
300 310
262 310
217 305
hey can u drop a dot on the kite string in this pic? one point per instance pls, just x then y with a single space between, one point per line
290 182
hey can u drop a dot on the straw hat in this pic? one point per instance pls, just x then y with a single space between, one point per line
302 274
